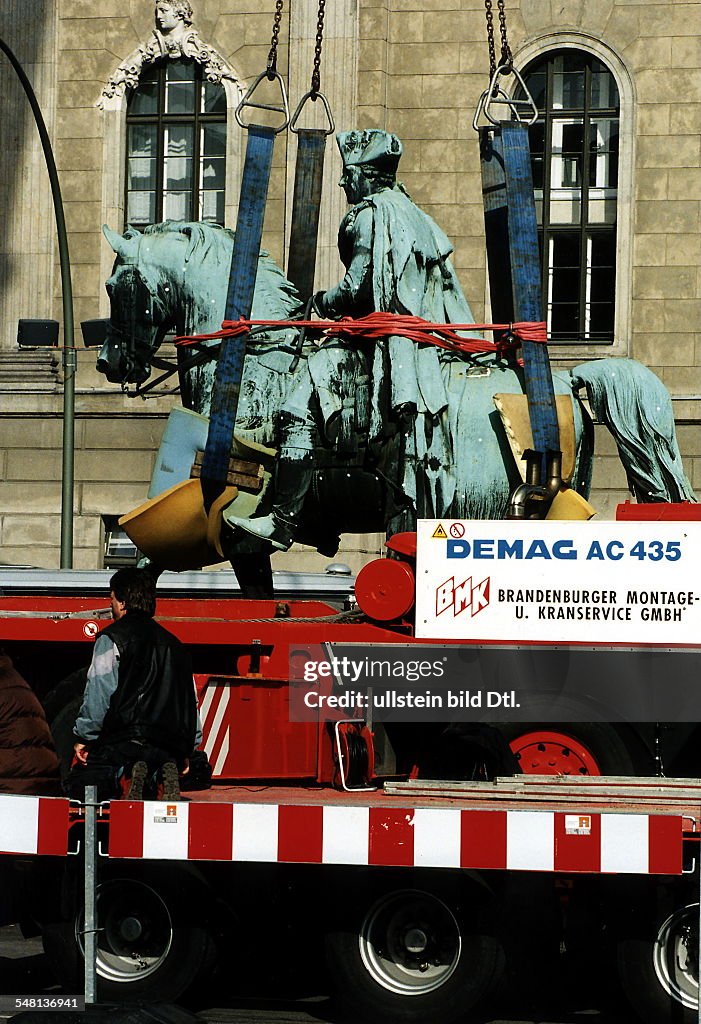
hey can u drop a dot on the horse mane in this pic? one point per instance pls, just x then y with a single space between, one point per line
202 236
276 296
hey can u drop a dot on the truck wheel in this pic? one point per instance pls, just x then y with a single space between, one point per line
574 748
146 948
412 955
658 967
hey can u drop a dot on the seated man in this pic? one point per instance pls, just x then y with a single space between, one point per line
397 261
139 711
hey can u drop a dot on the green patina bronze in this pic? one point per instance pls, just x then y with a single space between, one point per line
385 431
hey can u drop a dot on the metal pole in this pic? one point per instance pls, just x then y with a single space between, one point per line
89 895
69 352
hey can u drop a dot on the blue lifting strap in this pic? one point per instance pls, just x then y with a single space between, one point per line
525 283
496 226
309 170
239 302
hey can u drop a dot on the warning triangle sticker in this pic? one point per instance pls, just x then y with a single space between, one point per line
439 533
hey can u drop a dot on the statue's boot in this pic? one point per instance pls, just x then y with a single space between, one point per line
292 480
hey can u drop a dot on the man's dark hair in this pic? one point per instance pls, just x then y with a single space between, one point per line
136 588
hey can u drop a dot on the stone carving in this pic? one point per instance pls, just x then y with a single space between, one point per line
173 38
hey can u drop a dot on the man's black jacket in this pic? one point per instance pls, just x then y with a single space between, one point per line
154 702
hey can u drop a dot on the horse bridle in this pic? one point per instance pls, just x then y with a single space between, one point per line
127 338
200 352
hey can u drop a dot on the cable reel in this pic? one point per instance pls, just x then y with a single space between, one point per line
354 755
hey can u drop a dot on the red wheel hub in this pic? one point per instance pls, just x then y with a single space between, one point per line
553 753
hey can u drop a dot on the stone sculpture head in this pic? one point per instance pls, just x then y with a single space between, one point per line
172 15
370 159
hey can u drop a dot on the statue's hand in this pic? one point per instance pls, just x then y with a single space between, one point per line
318 304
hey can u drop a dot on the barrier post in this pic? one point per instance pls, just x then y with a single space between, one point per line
90 895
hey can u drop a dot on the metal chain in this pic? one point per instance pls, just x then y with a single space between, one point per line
316 73
490 38
507 58
272 56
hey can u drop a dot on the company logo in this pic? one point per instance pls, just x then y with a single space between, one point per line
578 824
463 596
169 818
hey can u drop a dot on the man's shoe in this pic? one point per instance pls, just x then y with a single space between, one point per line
139 773
171 781
266 528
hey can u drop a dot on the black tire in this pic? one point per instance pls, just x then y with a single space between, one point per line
150 946
613 749
657 957
414 955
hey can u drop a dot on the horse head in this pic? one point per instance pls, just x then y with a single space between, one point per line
140 312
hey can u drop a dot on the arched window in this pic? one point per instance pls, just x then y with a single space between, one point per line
574 148
176 146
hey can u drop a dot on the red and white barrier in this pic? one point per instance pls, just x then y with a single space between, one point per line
33 825
627 843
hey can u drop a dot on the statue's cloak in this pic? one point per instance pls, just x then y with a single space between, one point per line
397 260
412 273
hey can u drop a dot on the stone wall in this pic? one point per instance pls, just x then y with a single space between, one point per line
415 67
27 247
114 455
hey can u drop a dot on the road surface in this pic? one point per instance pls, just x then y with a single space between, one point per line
23 970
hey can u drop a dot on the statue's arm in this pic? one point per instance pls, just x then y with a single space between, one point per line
353 296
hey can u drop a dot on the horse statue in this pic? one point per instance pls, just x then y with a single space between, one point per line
174 276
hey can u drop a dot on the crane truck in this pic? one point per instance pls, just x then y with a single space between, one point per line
327 825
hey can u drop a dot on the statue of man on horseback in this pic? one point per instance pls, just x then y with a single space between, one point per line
397 261
389 430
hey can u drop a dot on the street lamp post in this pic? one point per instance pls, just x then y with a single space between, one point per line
69 352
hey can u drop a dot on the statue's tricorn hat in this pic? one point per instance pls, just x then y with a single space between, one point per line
372 146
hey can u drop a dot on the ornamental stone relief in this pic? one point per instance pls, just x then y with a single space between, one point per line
172 38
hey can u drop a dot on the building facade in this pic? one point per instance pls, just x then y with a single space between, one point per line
141 113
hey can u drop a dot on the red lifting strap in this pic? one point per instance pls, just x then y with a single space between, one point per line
381 325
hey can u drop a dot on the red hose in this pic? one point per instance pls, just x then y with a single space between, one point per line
381 325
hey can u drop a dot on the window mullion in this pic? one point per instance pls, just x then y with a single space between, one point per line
195 197
160 165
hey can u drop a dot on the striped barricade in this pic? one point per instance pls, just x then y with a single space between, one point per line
33 825
627 843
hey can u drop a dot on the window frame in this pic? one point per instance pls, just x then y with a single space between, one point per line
197 119
539 49
583 229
